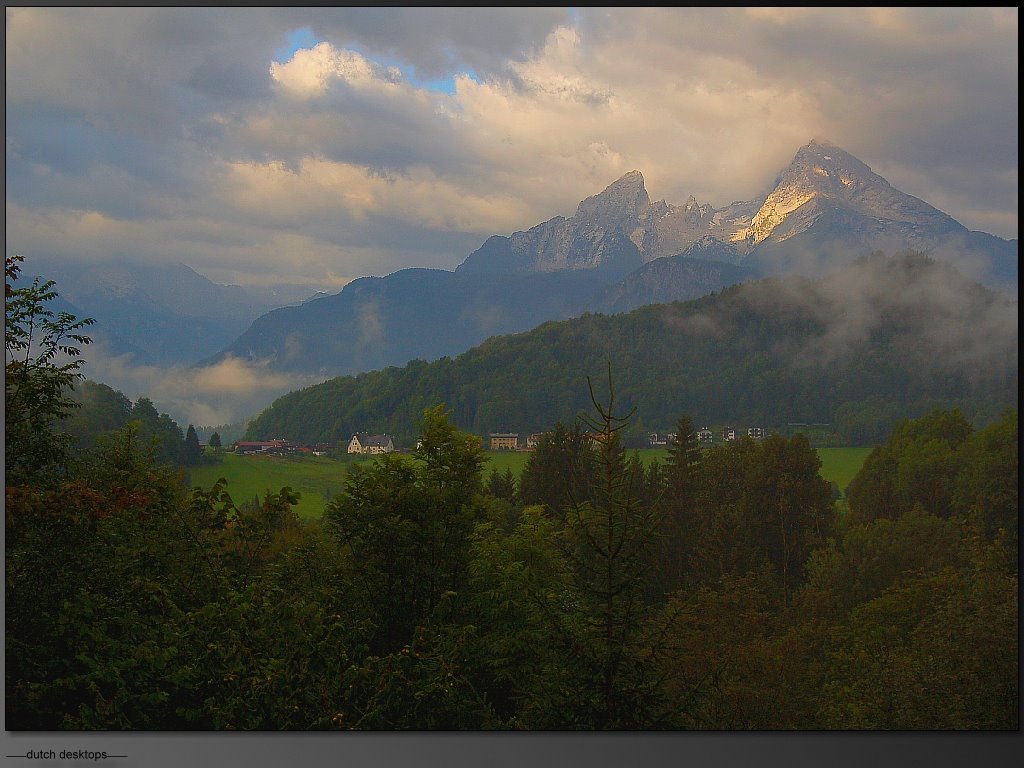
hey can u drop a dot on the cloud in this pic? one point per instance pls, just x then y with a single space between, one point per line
229 392
311 72
180 133
947 324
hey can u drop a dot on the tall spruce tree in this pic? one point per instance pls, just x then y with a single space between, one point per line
681 497
193 452
612 629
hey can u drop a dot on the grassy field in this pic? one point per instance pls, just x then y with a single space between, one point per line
841 464
317 478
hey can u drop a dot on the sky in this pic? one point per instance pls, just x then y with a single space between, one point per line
315 146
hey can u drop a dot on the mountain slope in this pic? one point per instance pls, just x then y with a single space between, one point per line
880 339
677 278
414 313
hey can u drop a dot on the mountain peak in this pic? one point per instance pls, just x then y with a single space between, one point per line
631 177
824 172
621 201
824 158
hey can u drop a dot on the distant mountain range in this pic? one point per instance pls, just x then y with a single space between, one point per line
618 252
160 315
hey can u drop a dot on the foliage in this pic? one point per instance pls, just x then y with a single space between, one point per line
407 524
939 463
558 472
40 366
192 452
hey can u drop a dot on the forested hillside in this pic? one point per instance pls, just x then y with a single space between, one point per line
882 339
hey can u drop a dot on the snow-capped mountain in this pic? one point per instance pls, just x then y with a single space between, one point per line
824 209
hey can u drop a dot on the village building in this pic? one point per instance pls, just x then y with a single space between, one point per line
755 432
705 436
263 446
373 445
729 433
532 441
504 441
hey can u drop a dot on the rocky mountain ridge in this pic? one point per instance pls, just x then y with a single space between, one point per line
823 188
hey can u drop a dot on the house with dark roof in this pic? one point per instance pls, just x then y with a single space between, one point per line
362 442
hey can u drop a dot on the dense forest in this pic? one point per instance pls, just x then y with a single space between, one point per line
884 339
98 410
722 589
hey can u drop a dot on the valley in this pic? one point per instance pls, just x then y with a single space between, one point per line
317 478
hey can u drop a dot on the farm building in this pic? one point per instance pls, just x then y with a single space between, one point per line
504 441
362 442
263 446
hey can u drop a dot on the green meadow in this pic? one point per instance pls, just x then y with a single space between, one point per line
842 464
317 478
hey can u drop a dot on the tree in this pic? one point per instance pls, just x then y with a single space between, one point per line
757 503
193 454
162 430
788 505
987 488
215 441
558 472
502 486
40 367
681 485
103 410
612 631
407 524
916 465
683 456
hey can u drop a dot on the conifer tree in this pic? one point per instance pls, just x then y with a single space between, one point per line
193 453
612 630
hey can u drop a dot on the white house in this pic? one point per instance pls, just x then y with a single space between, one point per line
361 442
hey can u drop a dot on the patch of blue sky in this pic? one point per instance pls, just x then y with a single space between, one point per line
304 38
296 40
444 85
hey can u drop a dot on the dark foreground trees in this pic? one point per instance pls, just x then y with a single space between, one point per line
721 591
